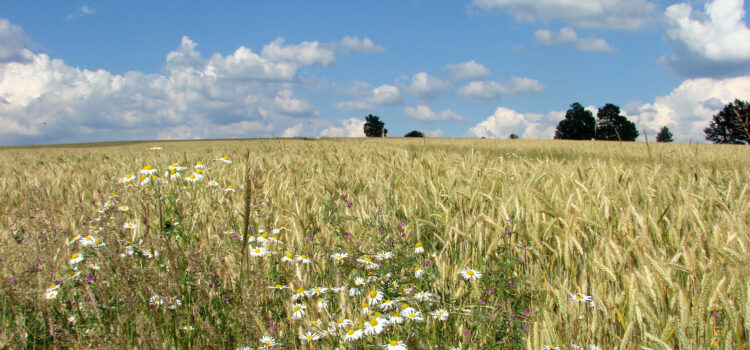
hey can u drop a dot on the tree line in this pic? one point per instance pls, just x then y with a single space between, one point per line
731 125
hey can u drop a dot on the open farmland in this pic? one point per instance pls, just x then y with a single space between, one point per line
517 236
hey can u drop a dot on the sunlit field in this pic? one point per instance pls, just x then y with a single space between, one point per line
375 243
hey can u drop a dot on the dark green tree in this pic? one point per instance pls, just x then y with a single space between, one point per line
578 124
731 125
612 126
664 135
374 127
414 133
513 137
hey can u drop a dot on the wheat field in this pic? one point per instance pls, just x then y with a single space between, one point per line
527 244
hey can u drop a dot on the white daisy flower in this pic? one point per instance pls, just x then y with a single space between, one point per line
580 297
375 326
423 296
230 189
268 342
51 294
279 287
199 165
148 170
124 208
468 273
384 256
339 256
75 259
155 148
309 336
343 322
418 271
299 293
129 226
321 304
316 291
156 300
388 304
394 345
225 159
303 258
187 327
395 318
298 310
258 251
127 178
410 314
374 297
440 314
352 335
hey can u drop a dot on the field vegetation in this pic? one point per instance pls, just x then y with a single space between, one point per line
524 244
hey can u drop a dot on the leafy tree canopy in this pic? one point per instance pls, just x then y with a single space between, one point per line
513 137
731 125
414 133
612 126
578 124
374 127
664 135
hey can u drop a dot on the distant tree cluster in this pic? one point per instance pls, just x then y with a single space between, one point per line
609 125
414 133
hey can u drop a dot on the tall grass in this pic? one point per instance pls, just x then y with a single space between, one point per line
659 241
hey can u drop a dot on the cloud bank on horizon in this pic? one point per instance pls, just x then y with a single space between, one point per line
290 89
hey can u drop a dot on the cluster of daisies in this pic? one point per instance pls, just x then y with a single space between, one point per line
364 310
581 298
176 173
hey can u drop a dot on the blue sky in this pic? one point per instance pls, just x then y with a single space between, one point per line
97 71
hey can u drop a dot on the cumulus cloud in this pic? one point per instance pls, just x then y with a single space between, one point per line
713 43
425 86
490 90
506 121
13 42
470 70
354 44
243 94
306 53
351 127
425 114
385 94
568 36
689 108
614 14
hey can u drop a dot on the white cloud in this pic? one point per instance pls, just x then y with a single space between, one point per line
354 105
689 108
568 36
385 94
490 90
12 43
506 121
306 53
84 10
288 103
426 86
44 100
354 44
482 90
433 133
525 85
425 114
351 127
615 14
293 131
713 43
470 70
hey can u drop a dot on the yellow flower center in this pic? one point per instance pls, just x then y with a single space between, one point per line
368 259
278 286
129 175
364 305
265 236
257 251
317 290
192 176
296 308
373 322
315 323
395 314
75 256
470 272
412 315
148 167
303 256
417 269
419 244
289 255
394 342
373 293
198 171
404 305
377 314
300 290
308 337
350 332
